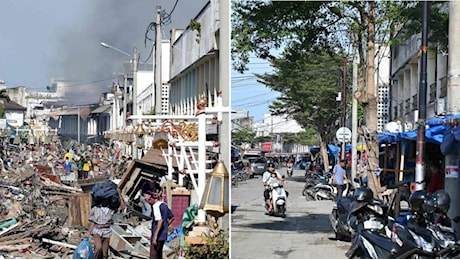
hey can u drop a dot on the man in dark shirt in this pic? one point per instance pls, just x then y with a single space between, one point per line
161 219
149 186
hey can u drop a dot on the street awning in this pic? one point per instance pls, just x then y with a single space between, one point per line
83 111
105 109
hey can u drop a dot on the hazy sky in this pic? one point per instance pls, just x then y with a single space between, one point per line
54 38
248 94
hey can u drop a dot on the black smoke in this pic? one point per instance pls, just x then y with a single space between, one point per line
120 23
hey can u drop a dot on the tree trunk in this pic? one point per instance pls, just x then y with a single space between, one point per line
371 106
323 152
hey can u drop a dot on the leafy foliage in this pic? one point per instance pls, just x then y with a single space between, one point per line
308 83
307 137
3 95
243 135
215 248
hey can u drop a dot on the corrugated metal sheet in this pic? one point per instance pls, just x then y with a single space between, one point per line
102 109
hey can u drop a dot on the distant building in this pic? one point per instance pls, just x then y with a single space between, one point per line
272 125
241 119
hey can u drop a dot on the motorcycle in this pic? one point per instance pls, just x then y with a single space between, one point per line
354 212
278 197
429 224
309 190
329 191
373 236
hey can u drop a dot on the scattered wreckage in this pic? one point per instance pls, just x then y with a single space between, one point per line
45 215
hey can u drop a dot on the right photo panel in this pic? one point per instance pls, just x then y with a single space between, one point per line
344 116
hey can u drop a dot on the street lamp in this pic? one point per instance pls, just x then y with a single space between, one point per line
105 45
133 60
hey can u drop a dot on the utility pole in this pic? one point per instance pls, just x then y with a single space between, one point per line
134 92
158 86
419 167
354 120
452 181
344 104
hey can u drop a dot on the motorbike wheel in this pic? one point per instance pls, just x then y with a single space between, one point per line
308 195
304 192
317 197
282 211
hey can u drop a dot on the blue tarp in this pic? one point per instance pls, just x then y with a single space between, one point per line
434 132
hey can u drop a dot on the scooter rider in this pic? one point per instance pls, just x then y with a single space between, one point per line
265 180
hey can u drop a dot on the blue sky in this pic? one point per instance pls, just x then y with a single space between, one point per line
248 94
54 38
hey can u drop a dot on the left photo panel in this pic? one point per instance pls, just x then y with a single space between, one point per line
115 118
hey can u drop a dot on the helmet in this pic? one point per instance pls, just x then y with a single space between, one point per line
438 202
363 194
417 200
271 165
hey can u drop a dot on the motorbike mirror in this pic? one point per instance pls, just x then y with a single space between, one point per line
356 180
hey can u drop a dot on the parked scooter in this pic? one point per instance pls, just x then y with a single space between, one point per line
371 235
311 180
357 211
278 197
329 191
430 225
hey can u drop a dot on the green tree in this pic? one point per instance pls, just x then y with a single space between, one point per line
307 137
308 82
3 95
243 135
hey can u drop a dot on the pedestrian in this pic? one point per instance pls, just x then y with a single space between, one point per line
437 177
339 177
86 167
68 154
147 188
80 163
67 165
162 217
101 218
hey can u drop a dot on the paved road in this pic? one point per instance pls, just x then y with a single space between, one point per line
304 233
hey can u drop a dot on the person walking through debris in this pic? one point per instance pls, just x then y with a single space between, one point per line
86 167
67 165
101 217
148 187
162 218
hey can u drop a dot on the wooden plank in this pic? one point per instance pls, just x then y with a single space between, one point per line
79 209
46 240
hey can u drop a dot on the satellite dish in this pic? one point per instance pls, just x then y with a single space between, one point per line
392 127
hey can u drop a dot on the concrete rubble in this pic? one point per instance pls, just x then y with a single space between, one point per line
44 211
